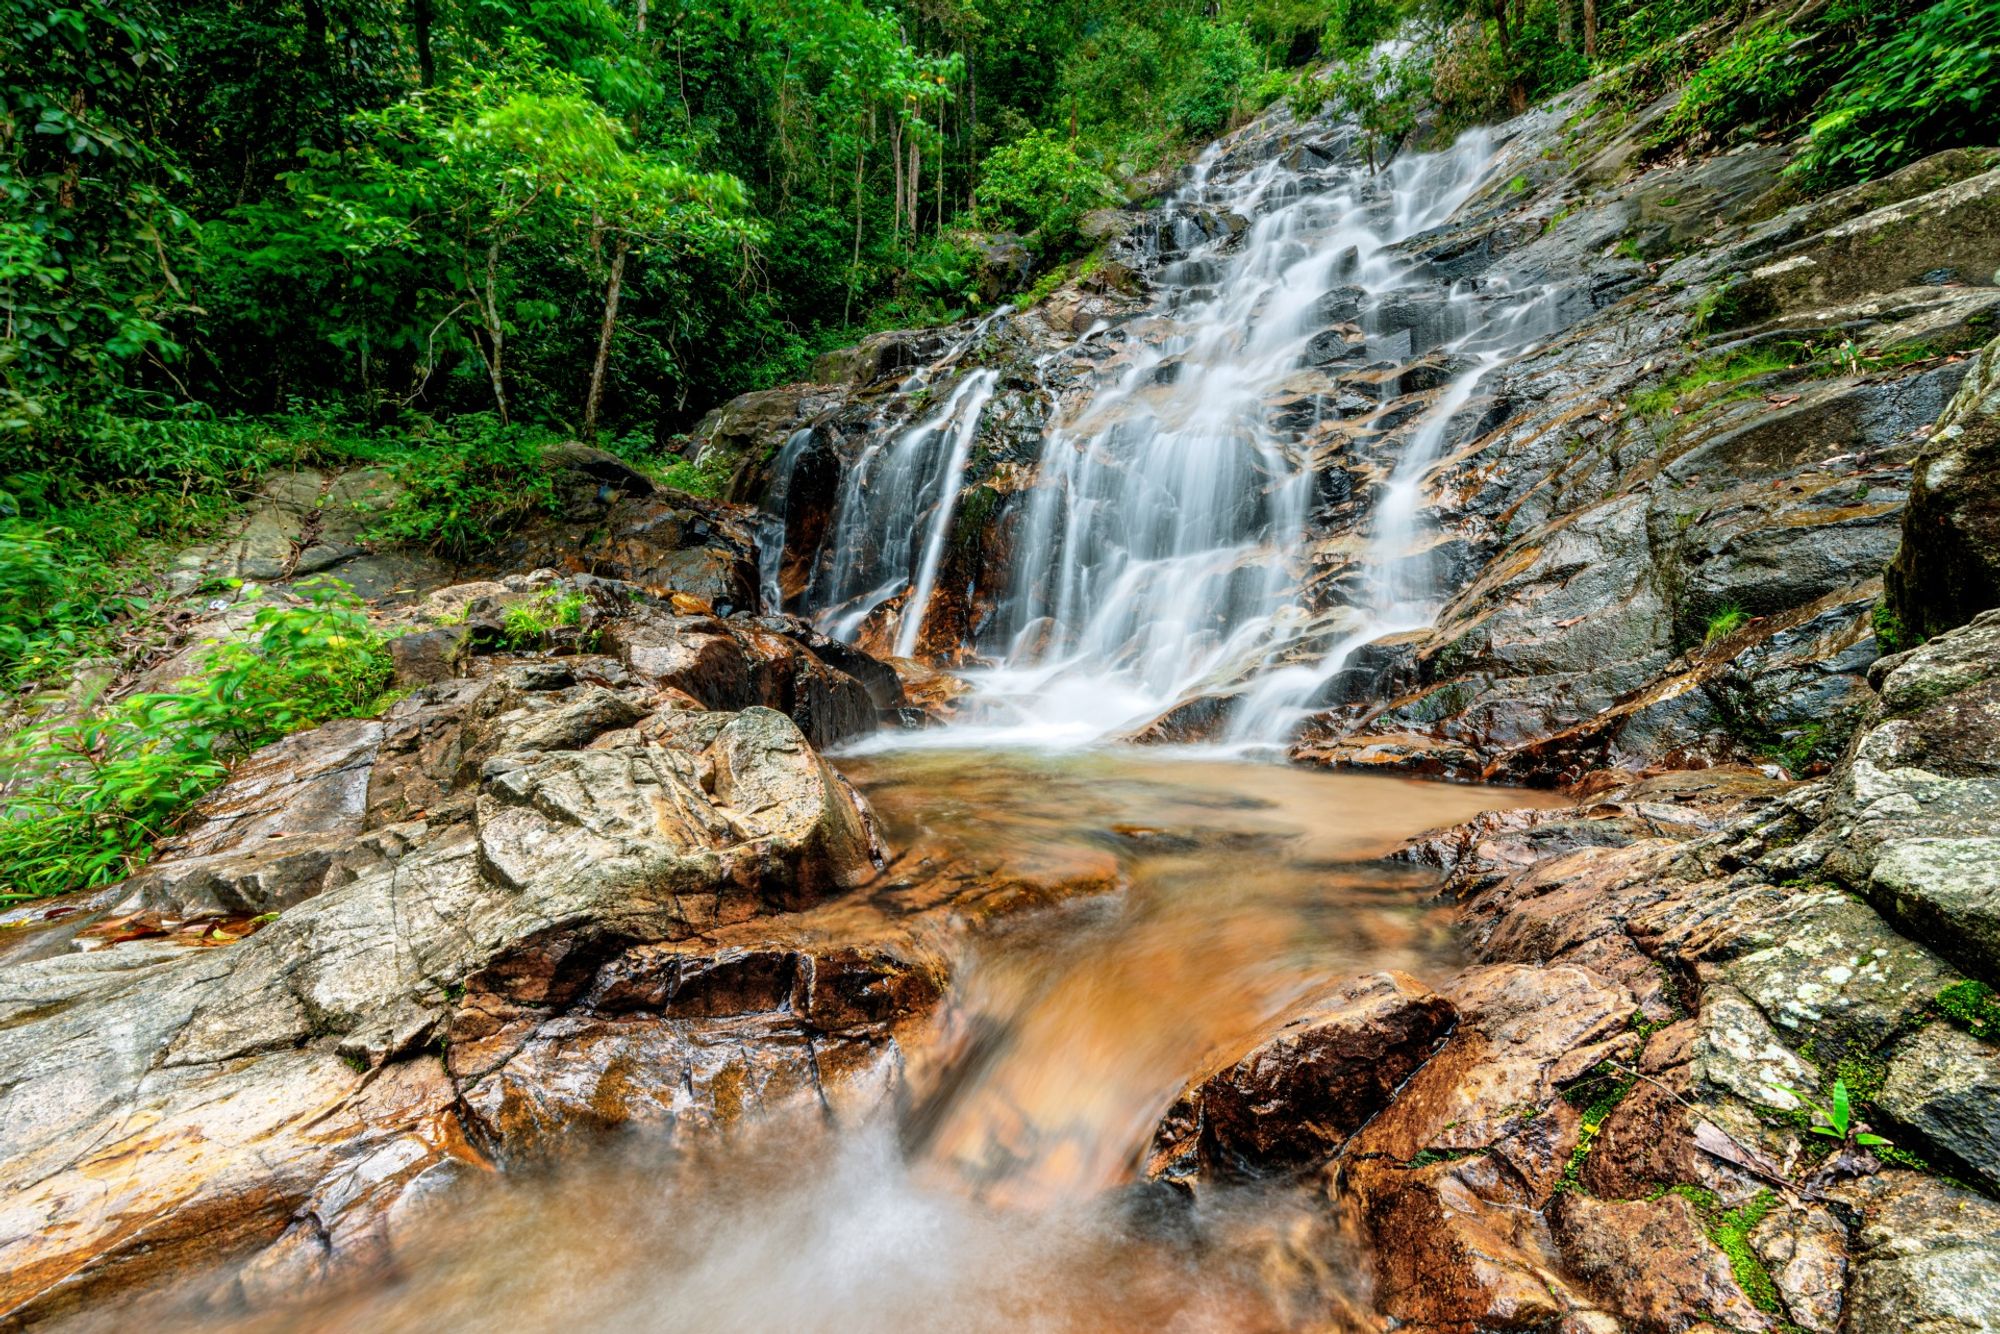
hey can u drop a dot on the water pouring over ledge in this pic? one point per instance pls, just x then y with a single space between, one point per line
1161 552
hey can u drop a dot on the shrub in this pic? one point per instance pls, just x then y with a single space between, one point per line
1724 624
1206 95
1039 184
1932 84
1760 76
93 794
463 492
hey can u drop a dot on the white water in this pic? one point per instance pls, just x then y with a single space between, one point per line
881 543
1160 554
967 402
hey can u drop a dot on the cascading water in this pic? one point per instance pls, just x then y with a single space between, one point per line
1161 552
882 542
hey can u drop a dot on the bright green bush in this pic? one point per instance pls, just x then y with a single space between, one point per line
1216 80
1933 84
1040 185
1756 79
468 487
94 793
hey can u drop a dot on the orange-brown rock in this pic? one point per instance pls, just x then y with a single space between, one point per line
1293 1099
1651 1263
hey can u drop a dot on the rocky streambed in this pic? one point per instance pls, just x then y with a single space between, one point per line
583 986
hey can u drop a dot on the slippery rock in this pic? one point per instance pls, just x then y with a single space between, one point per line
1295 1098
1945 1086
1652 1265
187 1103
1948 567
1928 1258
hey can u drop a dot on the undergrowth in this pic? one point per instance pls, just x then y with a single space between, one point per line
93 792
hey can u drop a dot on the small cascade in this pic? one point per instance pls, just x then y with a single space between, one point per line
771 517
1404 589
963 415
894 512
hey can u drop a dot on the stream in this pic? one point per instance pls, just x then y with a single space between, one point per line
1161 555
1002 1188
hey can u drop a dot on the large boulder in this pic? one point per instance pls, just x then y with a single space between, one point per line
283 1095
1294 1098
1948 568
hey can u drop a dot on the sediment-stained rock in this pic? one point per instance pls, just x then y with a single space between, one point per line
1293 1100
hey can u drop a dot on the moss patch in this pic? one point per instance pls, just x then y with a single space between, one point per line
1972 1006
1730 1230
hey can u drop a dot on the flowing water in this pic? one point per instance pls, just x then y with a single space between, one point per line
1162 549
1159 555
1000 1191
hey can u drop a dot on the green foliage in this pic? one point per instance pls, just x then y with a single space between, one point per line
1972 1006
528 625
1759 77
1041 186
1932 84
1890 632
1221 67
1710 373
1723 624
89 499
92 239
705 477
1835 1118
1382 94
94 792
467 487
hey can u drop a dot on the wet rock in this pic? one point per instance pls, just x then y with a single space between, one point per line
1294 1099
1926 1257
1455 1250
550 1055
1805 1252
1005 266
220 1092
1945 1085
1947 569
876 356
737 663
426 657
1651 1264
1880 251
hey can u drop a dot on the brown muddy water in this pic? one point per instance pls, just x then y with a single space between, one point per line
999 1189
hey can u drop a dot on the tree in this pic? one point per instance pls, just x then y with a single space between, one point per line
461 175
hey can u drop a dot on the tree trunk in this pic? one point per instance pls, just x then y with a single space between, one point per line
916 178
496 337
896 160
1590 29
854 266
611 290
1565 24
426 61
1517 85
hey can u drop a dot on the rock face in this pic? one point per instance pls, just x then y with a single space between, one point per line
1293 1100
1948 567
285 1095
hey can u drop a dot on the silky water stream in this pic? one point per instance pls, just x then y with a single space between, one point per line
1185 899
1001 1186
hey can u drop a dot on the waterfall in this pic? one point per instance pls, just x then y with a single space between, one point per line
771 516
1161 553
881 513
1162 548
963 414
